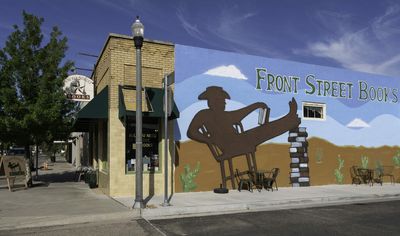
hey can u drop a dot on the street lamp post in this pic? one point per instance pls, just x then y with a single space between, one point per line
166 114
138 32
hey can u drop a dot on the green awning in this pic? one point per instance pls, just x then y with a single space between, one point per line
97 108
152 105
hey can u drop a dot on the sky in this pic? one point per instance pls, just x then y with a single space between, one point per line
361 35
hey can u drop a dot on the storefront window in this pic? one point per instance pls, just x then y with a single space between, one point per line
150 140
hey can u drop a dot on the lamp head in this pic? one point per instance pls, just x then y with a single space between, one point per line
138 32
137 28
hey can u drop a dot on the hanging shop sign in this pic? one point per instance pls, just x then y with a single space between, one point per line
78 88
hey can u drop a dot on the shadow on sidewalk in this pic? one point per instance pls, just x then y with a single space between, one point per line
66 176
57 172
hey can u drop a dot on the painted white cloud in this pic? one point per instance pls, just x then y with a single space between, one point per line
358 123
229 71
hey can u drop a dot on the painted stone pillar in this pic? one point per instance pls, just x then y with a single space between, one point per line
299 169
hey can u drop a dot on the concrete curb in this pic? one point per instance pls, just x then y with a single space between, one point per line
206 210
35 222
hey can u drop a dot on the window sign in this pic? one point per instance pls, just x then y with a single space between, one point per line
150 141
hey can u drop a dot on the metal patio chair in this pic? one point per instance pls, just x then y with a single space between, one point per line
244 179
270 180
356 178
387 171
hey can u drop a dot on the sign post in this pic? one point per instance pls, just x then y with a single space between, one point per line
167 112
1 162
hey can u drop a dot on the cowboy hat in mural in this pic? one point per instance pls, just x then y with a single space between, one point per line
216 127
214 92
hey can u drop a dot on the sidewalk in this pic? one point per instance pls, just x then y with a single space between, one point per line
58 200
210 203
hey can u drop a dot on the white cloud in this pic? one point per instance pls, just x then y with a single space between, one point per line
8 27
372 49
387 25
229 71
230 28
194 30
118 6
358 123
191 29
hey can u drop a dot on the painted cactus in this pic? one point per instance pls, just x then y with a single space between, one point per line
396 159
338 172
379 168
319 155
364 162
187 178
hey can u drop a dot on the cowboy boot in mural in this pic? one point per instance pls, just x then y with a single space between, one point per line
282 125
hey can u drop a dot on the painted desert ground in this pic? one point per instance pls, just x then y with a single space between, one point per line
323 160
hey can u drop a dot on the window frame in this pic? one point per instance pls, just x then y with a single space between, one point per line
147 124
314 104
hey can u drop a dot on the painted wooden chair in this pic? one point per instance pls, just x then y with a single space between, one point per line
221 157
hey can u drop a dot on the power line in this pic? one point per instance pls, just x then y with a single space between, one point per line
87 54
85 69
84 54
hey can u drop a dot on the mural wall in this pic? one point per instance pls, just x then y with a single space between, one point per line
361 115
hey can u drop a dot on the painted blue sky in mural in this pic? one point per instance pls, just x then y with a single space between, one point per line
359 34
367 113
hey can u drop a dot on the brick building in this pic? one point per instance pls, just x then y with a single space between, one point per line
110 116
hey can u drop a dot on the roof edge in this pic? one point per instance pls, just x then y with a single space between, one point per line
122 36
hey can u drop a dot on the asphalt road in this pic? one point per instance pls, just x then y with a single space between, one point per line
359 219
123 228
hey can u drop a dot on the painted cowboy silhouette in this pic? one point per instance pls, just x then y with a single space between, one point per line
223 132
217 126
